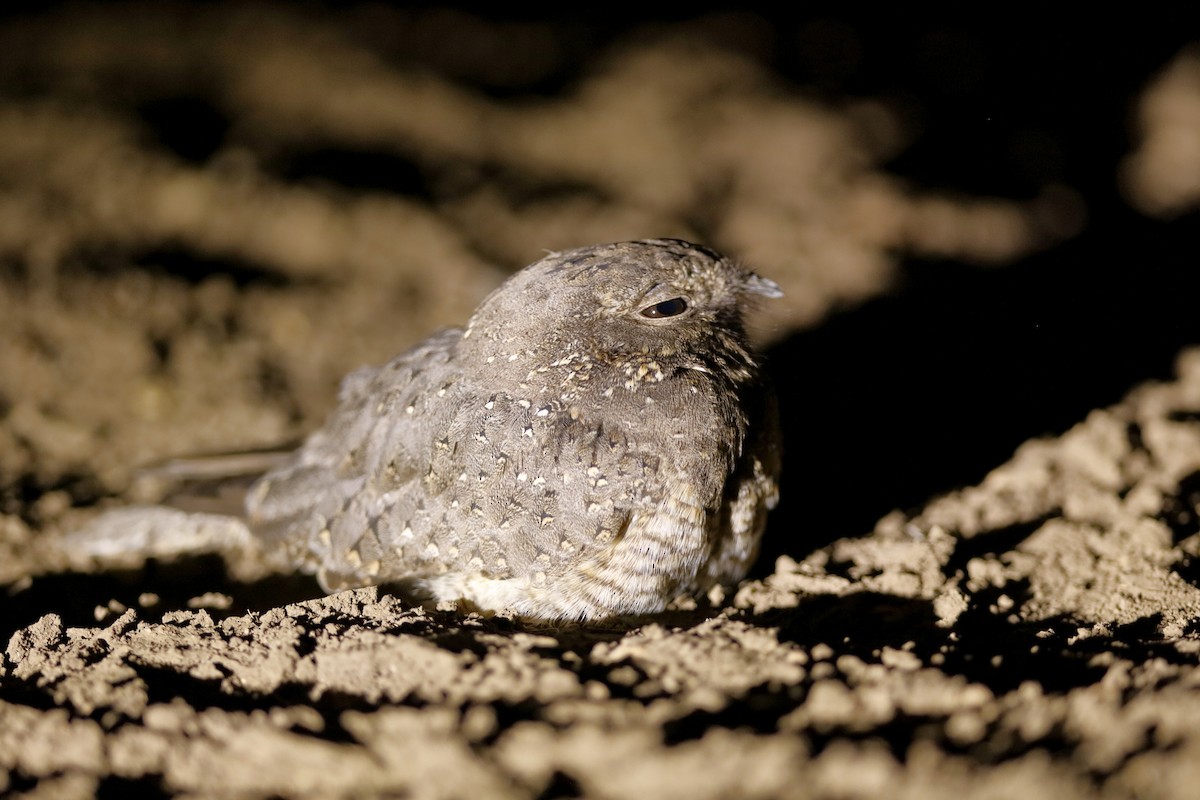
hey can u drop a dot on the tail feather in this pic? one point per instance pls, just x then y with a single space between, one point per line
140 532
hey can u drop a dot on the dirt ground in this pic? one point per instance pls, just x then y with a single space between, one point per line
211 212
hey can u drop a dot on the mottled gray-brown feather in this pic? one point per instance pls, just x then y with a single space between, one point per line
563 456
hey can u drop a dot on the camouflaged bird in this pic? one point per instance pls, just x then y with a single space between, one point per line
598 440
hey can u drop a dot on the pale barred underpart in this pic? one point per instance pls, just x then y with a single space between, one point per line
598 440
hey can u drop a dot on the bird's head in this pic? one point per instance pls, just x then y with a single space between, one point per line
665 299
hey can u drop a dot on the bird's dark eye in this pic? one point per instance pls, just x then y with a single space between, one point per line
667 308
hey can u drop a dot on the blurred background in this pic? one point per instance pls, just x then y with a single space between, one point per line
210 212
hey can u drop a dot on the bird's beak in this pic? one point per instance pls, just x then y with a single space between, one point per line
764 287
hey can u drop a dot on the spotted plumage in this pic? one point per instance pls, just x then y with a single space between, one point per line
597 440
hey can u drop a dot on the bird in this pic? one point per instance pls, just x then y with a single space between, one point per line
598 440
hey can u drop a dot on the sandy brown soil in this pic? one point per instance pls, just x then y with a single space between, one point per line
209 213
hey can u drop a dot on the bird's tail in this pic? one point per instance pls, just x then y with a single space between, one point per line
125 535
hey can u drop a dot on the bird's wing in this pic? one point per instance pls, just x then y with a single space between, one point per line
371 454
214 483
751 491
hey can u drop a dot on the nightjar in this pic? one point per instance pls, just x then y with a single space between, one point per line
598 440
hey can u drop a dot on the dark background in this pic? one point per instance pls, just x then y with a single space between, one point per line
927 389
